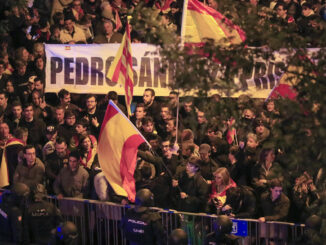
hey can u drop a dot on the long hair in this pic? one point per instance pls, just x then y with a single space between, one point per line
225 175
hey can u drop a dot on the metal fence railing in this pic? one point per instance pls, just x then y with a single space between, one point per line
99 223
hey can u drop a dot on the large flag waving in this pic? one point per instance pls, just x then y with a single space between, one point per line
201 22
121 68
117 151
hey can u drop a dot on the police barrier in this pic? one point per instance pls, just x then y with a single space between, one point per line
99 223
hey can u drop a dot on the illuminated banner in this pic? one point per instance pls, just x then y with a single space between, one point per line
82 69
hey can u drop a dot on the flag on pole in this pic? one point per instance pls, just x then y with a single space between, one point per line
201 22
121 68
117 151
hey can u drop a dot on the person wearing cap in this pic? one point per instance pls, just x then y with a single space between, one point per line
31 170
71 34
141 225
41 217
189 188
207 165
72 181
262 132
12 205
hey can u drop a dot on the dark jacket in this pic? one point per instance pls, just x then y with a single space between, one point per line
143 227
197 190
277 210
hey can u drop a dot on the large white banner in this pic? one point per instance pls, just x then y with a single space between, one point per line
82 69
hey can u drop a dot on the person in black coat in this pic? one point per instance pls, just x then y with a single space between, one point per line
190 191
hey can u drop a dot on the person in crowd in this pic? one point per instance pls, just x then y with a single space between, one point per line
238 171
147 127
3 77
12 207
51 134
108 33
207 165
220 185
222 232
16 114
178 237
13 149
5 135
65 234
36 128
270 114
262 132
304 196
245 124
65 101
55 161
274 203
93 115
67 129
72 181
188 114
88 153
190 190
42 217
80 131
240 203
71 34
266 170
141 225
30 170
151 105
201 127
139 114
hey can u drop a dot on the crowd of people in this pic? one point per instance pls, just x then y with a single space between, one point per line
198 160
103 21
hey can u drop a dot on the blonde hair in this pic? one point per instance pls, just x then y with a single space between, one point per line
225 175
252 136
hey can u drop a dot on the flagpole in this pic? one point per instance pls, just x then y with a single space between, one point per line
183 24
177 120
118 109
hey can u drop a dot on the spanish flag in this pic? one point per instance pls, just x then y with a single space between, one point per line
4 170
201 23
117 151
120 70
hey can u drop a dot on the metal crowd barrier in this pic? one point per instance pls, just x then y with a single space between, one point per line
99 223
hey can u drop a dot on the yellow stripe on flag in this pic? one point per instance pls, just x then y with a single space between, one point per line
200 26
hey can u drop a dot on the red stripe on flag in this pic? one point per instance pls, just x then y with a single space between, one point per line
115 77
110 112
199 7
128 164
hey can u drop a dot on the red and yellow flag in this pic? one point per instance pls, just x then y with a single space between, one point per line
121 68
4 171
201 22
117 151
